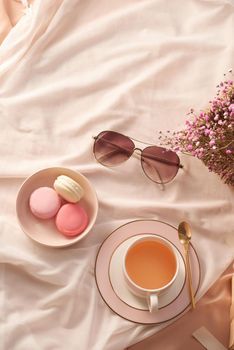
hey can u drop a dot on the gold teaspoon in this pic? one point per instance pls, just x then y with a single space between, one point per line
184 237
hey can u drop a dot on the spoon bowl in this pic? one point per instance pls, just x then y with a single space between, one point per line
184 232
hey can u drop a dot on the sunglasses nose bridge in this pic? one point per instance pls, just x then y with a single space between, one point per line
139 151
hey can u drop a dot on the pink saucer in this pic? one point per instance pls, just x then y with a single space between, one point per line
181 300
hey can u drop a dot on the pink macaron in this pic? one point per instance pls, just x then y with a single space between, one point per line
71 219
44 202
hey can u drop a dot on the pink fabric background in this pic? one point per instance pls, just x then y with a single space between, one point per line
68 70
10 13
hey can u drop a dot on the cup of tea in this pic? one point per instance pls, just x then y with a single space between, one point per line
150 267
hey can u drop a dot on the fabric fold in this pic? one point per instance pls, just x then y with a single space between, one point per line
5 23
23 35
231 342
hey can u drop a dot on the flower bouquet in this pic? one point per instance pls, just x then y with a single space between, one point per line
209 135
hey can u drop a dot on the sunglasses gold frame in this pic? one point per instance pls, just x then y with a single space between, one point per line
139 154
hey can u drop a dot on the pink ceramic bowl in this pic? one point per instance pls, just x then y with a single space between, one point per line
45 231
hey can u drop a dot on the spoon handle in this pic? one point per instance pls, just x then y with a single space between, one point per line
189 275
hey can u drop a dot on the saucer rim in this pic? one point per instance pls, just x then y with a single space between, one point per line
130 320
184 279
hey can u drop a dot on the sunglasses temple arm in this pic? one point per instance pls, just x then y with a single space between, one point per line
161 181
165 161
160 178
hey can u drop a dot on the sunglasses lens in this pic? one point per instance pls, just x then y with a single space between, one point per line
112 148
159 164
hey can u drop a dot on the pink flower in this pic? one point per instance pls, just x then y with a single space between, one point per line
207 134
212 142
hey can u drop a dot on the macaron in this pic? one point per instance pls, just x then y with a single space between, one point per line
44 202
68 189
71 219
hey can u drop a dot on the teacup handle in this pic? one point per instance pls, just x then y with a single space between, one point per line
153 302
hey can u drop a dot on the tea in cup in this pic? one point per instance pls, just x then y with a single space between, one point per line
150 267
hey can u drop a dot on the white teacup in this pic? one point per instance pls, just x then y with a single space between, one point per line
150 266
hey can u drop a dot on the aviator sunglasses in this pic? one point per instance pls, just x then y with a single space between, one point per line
159 164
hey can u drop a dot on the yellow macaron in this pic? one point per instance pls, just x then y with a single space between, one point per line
68 189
